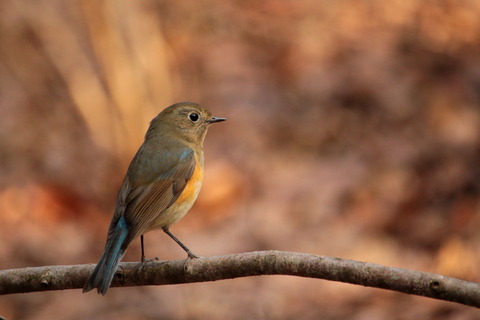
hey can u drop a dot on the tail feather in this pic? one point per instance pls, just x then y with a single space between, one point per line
102 275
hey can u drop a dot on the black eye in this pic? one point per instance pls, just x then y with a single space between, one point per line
193 117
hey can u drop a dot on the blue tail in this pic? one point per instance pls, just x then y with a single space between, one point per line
102 275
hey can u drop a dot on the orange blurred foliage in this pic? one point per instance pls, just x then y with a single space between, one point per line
353 130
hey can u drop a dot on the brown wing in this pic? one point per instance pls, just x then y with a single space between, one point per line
141 205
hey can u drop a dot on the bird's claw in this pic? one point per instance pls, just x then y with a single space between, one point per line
145 260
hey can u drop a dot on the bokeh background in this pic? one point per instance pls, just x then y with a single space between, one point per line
353 131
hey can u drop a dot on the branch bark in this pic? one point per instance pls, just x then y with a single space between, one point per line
248 264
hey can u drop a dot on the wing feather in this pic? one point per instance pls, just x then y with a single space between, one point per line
141 205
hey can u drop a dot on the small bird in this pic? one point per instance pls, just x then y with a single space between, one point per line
161 185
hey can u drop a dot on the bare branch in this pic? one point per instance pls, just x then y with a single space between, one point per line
248 264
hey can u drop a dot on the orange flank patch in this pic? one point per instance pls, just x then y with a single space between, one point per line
193 185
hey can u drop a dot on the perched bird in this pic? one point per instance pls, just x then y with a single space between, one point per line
161 185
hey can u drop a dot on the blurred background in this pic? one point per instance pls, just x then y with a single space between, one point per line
353 131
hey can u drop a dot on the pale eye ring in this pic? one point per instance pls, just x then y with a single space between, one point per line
193 116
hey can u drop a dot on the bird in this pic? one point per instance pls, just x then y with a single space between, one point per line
161 184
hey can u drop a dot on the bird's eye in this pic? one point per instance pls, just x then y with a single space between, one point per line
193 117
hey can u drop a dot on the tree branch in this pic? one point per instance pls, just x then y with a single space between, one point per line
248 264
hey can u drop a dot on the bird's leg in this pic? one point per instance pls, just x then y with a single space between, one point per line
184 247
143 250
145 260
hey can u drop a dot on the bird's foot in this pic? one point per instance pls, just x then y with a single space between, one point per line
192 255
145 260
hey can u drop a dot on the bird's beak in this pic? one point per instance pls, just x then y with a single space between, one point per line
216 119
